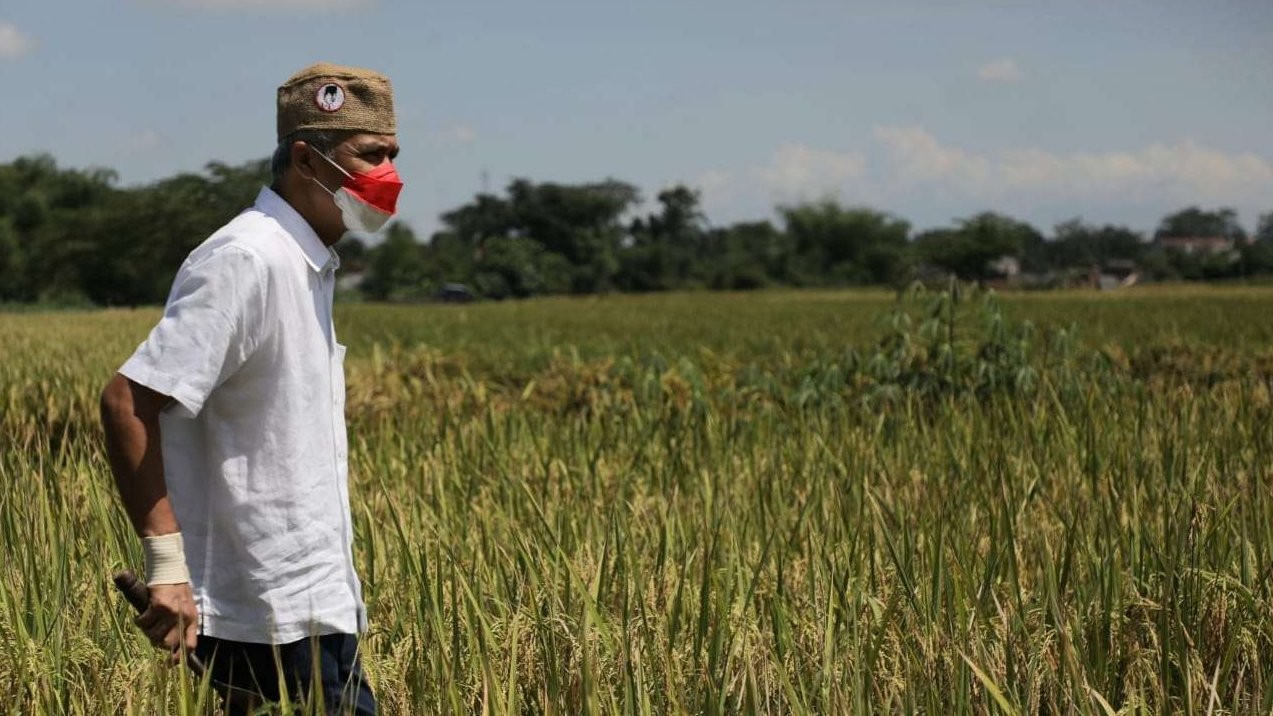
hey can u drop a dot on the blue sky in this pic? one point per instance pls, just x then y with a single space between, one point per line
1113 111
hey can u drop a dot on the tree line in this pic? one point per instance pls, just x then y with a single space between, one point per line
72 236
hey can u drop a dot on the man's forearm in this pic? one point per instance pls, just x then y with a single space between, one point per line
130 418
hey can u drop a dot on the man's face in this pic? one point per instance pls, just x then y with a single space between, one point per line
359 153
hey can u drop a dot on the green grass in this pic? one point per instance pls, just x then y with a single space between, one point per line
778 502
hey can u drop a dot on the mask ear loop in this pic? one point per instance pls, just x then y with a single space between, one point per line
331 162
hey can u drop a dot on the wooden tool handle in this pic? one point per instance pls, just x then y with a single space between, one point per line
133 589
138 595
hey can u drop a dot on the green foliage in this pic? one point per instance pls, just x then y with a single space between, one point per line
510 267
1256 258
72 235
511 240
397 268
1264 229
1196 222
669 249
960 342
845 246
1080 245
969 250
12 263
353 254
66 232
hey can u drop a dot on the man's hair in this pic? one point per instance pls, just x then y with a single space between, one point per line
322 140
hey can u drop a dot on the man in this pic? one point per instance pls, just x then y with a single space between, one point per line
226 428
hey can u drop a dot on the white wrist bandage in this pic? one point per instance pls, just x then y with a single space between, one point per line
165 559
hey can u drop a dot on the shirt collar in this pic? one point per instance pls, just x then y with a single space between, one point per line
318 256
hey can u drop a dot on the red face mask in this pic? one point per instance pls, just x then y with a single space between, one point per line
378 187
366 200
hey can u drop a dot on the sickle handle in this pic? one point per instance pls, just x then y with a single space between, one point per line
138 595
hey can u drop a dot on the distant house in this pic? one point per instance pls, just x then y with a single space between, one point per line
1006 266
1115 273
1003 272
1198 244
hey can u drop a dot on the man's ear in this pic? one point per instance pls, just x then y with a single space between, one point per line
303 160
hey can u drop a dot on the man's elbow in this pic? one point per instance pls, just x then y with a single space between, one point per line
116 399
123 399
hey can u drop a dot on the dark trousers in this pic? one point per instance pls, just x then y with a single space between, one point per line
324 665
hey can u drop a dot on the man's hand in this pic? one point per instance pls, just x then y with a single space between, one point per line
171 622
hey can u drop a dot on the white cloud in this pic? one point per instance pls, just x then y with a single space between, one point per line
795 172
1005 70
13 43
915 156
320 5
911 171
1182 171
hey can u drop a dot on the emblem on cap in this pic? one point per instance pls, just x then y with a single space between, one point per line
330 97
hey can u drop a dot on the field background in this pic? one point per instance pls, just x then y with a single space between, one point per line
772 502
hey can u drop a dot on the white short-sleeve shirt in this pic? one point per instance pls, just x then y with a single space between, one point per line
254 444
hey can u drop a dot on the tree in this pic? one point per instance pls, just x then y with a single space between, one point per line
667 249
485 217
748 255
39 203
1264 229
396 269
1194 221
11 262
449 259
130 246
511 266
857 245
1256 258
579 222
1080 245
353 254
968 250
575 226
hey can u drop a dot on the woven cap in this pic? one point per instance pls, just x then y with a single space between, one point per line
327 96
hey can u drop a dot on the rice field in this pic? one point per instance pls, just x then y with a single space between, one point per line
780 502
